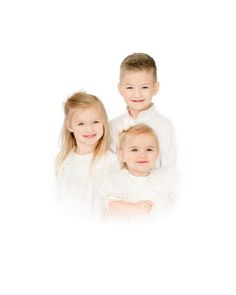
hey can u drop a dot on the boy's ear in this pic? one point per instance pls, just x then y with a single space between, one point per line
156 87
120 88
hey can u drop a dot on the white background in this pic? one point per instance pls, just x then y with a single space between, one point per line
49 50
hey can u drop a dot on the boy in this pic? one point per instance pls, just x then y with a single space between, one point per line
138 84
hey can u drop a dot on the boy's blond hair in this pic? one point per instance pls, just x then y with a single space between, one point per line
134 131
138 61
82 100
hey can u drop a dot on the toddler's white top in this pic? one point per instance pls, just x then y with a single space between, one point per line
160 186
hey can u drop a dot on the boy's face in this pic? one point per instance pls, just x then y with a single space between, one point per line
139 153
138 88
87 127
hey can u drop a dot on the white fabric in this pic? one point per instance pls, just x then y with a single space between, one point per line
162 127
160 186
75 181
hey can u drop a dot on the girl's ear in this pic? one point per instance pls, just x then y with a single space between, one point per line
68 126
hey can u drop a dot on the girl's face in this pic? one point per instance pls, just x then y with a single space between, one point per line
139 153
87 127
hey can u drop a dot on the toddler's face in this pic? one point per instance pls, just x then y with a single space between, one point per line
140 153
138 88
87 126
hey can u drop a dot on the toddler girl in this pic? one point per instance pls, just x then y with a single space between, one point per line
138 189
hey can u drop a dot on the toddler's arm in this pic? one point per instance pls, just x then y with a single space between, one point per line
122 208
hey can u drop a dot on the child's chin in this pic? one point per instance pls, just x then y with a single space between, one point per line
144 173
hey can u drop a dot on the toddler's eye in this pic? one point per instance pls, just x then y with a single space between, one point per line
96 122
129 87
149 150
145 87
80 124
134 150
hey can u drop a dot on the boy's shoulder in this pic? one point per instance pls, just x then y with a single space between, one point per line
154 114
118 119
115 123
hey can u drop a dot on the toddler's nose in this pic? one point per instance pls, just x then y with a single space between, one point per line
143 154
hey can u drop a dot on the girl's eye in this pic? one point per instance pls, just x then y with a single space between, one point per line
145 87
96 122
134 150
80 124
129 87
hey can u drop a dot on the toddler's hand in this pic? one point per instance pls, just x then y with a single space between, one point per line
144 207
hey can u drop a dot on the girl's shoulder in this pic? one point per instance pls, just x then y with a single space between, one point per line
75 164
110 156
108 159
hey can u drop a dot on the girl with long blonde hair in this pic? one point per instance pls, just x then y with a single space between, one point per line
84 154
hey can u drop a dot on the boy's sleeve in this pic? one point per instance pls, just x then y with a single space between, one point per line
168 148
168 186
114 136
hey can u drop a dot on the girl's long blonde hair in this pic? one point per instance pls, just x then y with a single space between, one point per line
82 100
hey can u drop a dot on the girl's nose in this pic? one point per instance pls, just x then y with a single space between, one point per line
89 127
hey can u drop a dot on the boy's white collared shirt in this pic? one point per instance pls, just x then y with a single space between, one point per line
160 124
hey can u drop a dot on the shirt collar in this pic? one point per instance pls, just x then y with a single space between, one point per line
144 114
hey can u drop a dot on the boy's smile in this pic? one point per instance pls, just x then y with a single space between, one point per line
138 88
135 100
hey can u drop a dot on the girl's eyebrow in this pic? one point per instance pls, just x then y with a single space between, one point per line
80 121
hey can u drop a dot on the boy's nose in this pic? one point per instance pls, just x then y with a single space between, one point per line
137 93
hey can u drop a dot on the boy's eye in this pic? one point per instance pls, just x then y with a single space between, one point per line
145 87
80 124
129 87
96 122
